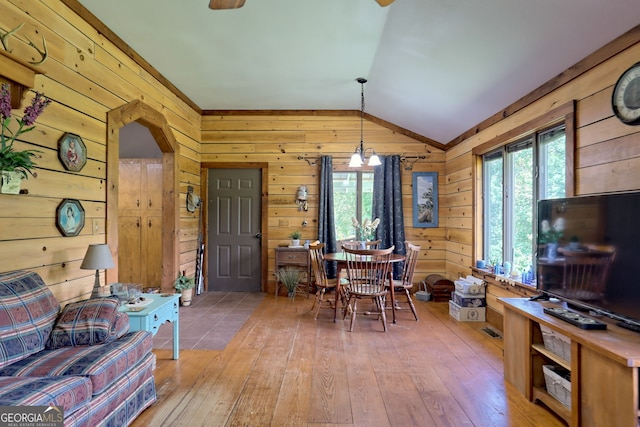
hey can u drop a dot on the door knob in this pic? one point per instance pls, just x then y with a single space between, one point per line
258 235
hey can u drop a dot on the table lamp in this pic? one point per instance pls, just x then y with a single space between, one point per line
98 257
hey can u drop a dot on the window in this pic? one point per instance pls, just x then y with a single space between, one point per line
515 176
352 197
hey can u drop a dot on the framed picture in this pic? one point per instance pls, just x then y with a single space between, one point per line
425 199
70 217
72 152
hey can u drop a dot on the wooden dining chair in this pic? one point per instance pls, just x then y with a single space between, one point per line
354 244
367 272
404 285
318 267
585 272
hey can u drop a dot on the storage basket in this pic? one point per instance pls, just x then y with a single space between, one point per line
558 382
422 294
556 343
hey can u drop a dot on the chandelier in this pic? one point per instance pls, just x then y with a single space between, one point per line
357 158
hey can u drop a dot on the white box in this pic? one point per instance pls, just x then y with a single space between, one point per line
556 343
468 288
475 280
557 386
466 300
467 314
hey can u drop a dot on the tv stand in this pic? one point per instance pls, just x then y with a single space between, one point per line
603 364
630 326
540 297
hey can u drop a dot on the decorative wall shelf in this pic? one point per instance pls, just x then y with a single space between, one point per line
19 74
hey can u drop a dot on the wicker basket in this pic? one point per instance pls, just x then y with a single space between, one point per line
558 382
556 343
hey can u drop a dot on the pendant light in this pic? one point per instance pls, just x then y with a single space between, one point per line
357 158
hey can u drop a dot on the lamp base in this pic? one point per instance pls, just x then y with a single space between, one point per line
98 291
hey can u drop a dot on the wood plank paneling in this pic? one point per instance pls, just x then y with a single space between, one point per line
86 76
281 139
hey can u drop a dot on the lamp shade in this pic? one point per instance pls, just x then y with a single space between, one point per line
98 257
374 160
356 160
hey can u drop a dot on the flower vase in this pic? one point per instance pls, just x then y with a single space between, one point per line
552 250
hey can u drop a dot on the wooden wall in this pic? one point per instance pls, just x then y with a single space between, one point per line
86 76
279 139
607 151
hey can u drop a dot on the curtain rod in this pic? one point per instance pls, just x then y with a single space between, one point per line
313 160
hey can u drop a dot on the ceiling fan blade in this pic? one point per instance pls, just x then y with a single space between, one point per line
226 4
382 3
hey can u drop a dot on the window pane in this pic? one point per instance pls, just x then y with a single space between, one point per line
514 178
522 209
552 164
367 196
352 197
493 191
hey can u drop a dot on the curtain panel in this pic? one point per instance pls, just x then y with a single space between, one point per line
387 205
326 219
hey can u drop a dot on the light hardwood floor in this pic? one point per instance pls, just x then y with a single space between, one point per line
285 369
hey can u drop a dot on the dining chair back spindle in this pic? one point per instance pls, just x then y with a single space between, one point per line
367 272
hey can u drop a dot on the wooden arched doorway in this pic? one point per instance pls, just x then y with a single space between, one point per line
153 120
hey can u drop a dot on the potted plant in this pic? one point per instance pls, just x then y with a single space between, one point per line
17 165
295 238
185 285
290 277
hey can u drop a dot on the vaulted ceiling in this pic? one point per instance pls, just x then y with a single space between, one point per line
434 67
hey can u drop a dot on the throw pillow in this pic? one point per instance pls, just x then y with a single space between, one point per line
88 322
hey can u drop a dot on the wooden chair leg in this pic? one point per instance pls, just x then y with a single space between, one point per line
382 311
413 307
353 313
315 301
319 299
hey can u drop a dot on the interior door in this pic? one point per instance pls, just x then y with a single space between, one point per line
234 255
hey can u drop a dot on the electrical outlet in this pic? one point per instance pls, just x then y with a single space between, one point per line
283 223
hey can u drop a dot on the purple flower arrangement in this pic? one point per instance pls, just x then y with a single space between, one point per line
11 160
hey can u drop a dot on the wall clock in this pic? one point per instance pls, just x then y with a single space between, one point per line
626 96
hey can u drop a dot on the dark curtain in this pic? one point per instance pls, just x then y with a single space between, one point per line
387 205
326 220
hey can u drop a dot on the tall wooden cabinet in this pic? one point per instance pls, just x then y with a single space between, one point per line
603 364
140 222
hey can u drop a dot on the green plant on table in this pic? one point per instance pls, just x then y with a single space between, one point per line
295 235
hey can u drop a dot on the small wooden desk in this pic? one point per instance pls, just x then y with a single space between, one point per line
163 308
297 257
340 258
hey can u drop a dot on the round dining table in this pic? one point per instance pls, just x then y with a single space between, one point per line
341 260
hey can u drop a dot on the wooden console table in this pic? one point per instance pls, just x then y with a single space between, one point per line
296 257
604 365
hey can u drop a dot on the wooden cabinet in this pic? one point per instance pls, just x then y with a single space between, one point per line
604 365
296 257
140 222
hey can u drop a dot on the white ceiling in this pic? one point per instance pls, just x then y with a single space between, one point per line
435 67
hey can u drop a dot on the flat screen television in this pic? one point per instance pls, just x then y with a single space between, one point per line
588 254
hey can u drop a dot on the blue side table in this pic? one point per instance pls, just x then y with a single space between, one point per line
163 308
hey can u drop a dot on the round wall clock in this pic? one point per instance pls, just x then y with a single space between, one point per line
626 96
